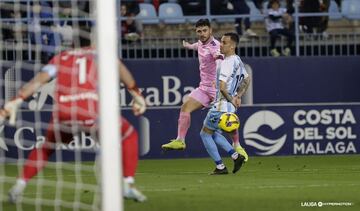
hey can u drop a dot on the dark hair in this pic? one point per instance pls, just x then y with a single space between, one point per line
271 2
233 36
203 22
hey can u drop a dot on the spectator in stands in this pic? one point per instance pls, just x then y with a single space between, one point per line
42 30
275 26
7 27
68 26
131 29
290 7
156 3
241 8
65 25
308 24
132 7
84 6
324 21
14 28
338 2
314 24
221 7
193 7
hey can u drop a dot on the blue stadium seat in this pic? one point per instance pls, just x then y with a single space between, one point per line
148 13
254 11
351 9
334 11
171 13
265 6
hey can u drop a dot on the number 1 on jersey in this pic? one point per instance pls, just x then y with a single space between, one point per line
82 69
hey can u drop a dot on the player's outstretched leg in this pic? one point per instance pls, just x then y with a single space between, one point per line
131 192
36 161
197 99
242 152
183 126
238 162
211 148
237 146
219 171
130 161
174 144
237 158
16 191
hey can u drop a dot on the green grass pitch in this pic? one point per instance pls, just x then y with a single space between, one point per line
264 183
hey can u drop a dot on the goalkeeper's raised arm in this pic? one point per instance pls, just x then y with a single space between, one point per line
139 105
11 107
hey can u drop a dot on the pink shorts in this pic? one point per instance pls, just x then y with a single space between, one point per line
202 96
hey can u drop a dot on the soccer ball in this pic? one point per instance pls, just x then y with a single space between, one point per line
229 122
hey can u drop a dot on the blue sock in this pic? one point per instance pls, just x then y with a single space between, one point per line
210 147
223 143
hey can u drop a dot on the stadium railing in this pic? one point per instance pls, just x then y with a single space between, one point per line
336 44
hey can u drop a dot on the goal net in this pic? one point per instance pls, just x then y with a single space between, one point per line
32 32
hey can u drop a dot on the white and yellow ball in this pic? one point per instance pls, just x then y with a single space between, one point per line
229 122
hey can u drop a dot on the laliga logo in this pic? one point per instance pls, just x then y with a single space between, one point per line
265 145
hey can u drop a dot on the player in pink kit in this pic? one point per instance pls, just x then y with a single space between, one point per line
75 109
208 52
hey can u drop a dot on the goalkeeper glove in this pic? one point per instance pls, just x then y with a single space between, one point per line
139 105
10 109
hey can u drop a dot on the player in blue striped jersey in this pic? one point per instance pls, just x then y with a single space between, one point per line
232 82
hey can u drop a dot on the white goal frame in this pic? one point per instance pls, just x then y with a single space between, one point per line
111 165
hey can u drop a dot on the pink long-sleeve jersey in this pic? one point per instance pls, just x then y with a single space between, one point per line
208 53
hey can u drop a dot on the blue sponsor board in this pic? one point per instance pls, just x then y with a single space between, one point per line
301 129
264 131
30 133
281 80
270 130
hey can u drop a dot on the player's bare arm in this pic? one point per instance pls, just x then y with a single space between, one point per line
225 93
125 76
241 91
243 86
11 107
28 89
186 44
190 46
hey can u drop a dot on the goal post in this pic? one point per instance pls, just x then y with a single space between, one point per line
109 105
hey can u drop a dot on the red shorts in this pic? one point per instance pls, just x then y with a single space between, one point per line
64 130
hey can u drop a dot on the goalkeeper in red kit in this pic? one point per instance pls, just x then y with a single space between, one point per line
75 109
